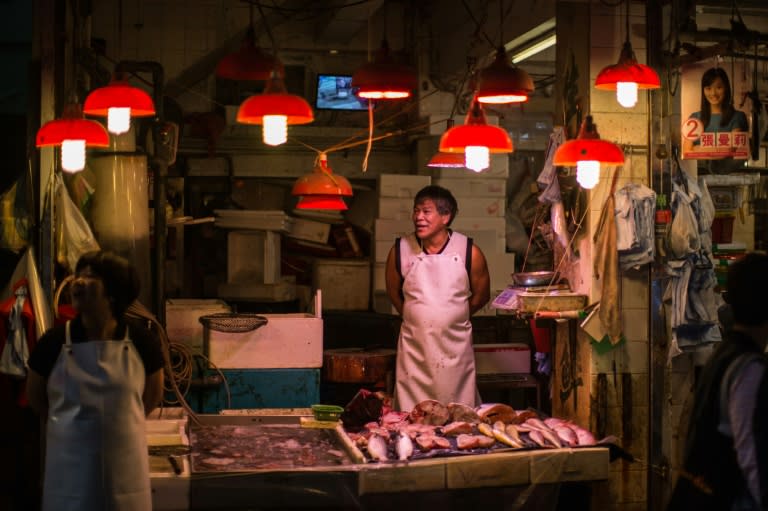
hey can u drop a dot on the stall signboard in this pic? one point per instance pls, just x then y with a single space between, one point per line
715 110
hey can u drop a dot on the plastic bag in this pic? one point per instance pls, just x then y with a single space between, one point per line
13 360
684 232
26 268
75 237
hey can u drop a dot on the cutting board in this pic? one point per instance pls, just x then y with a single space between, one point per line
358 365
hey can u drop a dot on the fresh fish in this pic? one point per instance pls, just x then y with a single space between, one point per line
512 431
567 435
484 442
551 437
403 447
499 425
485 429
537 437
442 443
502 437
553 422
536 423
583 436
377 448
465 441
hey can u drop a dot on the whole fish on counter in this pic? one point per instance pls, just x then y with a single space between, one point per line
377 447
403 447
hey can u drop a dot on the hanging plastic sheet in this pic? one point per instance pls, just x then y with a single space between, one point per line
27 269
14 216
13 360
73 234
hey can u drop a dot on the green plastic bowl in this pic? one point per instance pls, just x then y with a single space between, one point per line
327 412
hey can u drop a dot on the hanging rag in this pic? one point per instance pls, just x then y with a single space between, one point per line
550 192
606 268
13 360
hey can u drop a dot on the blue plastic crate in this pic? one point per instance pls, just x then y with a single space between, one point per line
258 388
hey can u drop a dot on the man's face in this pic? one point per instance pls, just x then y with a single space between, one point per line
427 221
87 292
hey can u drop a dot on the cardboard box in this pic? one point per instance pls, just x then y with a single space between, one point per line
503 358
285 341
310 230
465 188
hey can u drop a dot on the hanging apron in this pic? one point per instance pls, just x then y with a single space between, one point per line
435 357
96 451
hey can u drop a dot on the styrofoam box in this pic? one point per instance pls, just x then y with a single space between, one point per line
471 188
466 223
502 358
286 341
345 283
481 207
379 277
254 256
310 230
388 230
395 208
490 242
501 267
182 320
381 250
499 168
401 185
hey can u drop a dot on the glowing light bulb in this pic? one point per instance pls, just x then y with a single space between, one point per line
588 173
73 155
626 94
275 129
476 157
118 120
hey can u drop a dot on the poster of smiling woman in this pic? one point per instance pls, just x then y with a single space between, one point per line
715 121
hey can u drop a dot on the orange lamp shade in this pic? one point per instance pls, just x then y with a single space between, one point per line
321 188
249 63
330 202
384 78
475 132
119 94
588 147
502 83
627 69
72 126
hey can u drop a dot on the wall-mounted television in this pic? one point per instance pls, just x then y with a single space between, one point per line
334 92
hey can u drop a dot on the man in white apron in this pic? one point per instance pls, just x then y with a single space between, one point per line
436 279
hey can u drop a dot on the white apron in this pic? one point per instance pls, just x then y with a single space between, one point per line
435 358
96 452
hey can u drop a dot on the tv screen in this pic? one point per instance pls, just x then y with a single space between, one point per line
334 92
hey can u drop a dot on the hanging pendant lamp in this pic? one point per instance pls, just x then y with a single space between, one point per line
73 134
321 188
384 78
502 83
587 153
249 63
627 75
118 102
446 160
476 139
275 109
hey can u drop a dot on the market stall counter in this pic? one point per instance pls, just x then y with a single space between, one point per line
284 459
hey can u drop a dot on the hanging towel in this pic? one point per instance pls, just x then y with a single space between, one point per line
606 269
13 360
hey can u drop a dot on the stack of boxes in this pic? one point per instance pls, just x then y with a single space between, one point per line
395 208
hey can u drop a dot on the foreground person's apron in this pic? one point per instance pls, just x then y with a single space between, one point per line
435 358
96 451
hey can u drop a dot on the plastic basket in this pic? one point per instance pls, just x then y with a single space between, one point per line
232 322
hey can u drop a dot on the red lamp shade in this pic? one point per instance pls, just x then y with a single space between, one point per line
384 78
275 100
119 94
72 126
249 63
501 83
627 69
321 188
588 147
475 132
446 160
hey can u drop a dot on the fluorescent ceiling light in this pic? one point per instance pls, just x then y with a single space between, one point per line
520 54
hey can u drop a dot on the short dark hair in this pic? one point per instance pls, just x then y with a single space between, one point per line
745 288
442 197
120 278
